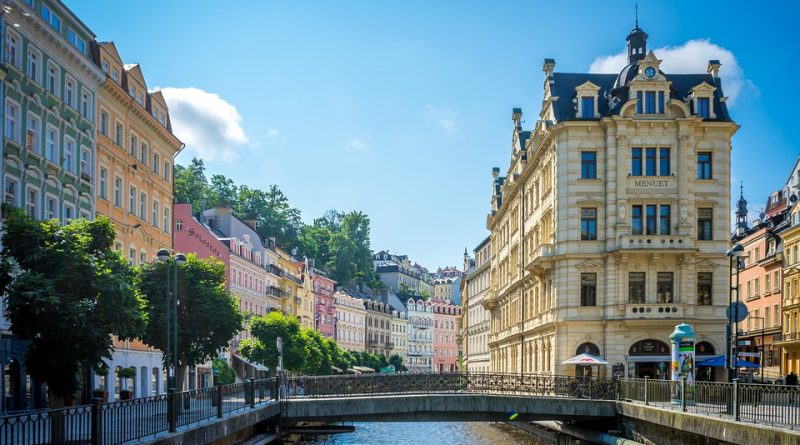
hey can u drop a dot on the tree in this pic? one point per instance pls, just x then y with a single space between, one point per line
262 347
67 292
190 184
208 315
396 361
225 375
318 358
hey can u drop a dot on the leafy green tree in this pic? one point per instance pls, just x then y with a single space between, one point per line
396 361
222 191
208 315
67 292
425 294
190 185
262 346
318 357
226 374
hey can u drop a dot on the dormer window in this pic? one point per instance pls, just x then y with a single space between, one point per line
585 100
703 108
587 107
650 102
701 100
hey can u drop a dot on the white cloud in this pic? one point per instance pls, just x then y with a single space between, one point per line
356 144
442 116
691 57
207 123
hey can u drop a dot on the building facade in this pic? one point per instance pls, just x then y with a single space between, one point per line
399 336
420 335
378 328
476 318
324 303
350 322
291 282
445 348
790 339
611 224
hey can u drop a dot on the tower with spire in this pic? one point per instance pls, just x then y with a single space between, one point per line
741 212
637 42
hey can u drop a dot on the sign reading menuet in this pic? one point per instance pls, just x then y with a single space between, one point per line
651 183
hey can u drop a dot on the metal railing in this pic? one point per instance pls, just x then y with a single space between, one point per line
130 420
427 383
775 405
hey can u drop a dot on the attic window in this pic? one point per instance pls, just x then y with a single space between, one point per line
587 107
703 107
650 102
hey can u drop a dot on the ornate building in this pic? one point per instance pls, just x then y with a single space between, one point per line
475 340
420 335
350 322
611 224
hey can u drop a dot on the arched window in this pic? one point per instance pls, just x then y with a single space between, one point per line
588 348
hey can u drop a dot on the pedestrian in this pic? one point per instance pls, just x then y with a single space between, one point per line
791 380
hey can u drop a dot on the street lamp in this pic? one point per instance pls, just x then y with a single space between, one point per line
172 312
735 253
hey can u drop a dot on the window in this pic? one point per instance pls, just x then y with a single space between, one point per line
703 108
663 162
704 286
664 287
12 120
664 219
104 65
143 153
143 206
32 203
587 107
69 153
132 200
155 214
80 44
650 161
51 18
588 224
661 102
777 282
87 166
166 171
103 183
156 162
132 255
134 145
103 123
32 132
118 131
142 258
757 287
166 224
12 50
117 191
51 144
50 208
704 165
636 162
650 102
588 289
140 98
757 254
179 225
588 165
10 189
69 92
131 91
52 79
69 212
86 105
650 219
636 287
33 65
115 74
639 102
705 230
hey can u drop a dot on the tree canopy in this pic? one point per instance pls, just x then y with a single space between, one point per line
338 241
67 292
208 315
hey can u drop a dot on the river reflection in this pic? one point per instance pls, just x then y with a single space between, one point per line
425 433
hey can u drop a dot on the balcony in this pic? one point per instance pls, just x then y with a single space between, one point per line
275 291
771 258
389 345
540 258
654 311
656 242
271 268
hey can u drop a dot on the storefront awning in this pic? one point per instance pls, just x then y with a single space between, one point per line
649 358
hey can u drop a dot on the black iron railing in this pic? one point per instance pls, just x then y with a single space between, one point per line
130 420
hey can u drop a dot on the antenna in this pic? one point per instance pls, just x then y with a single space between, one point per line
637 16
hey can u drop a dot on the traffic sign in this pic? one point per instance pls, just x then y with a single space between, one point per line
734 314
744 343
749 354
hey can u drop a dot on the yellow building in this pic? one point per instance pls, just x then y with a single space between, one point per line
291 283
133 167
611 224
135 154
790 343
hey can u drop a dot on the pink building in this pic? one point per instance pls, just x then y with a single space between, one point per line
445 348
192 237
324 304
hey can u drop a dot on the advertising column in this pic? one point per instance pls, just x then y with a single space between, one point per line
683 339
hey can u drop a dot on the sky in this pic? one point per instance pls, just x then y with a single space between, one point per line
401 109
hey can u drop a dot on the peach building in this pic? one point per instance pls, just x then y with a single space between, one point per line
445 348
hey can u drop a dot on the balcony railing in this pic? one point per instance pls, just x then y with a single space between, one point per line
271 268
275 291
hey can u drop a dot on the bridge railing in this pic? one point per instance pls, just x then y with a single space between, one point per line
132 420
775 405
424 383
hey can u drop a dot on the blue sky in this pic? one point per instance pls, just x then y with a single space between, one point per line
401 109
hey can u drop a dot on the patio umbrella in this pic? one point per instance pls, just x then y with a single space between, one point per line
585 360
719 362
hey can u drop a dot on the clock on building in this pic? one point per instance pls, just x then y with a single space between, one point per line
650 72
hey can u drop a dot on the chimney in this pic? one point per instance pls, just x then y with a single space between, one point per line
548 67
250 223
713 68
516 116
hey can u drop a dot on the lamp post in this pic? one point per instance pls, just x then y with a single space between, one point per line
172 312
734 254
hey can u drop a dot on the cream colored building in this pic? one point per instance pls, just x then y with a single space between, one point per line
350 322
475 339
613 216
399 325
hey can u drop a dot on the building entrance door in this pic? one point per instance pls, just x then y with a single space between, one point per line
653 370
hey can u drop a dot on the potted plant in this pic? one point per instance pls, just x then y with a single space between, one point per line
100 394
125 374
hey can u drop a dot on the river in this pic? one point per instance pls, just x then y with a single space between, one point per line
423 433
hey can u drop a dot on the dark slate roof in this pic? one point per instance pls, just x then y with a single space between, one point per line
523 138
564 85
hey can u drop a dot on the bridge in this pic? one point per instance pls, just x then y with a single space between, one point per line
734 413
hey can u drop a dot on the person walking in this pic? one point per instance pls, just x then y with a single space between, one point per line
791 380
